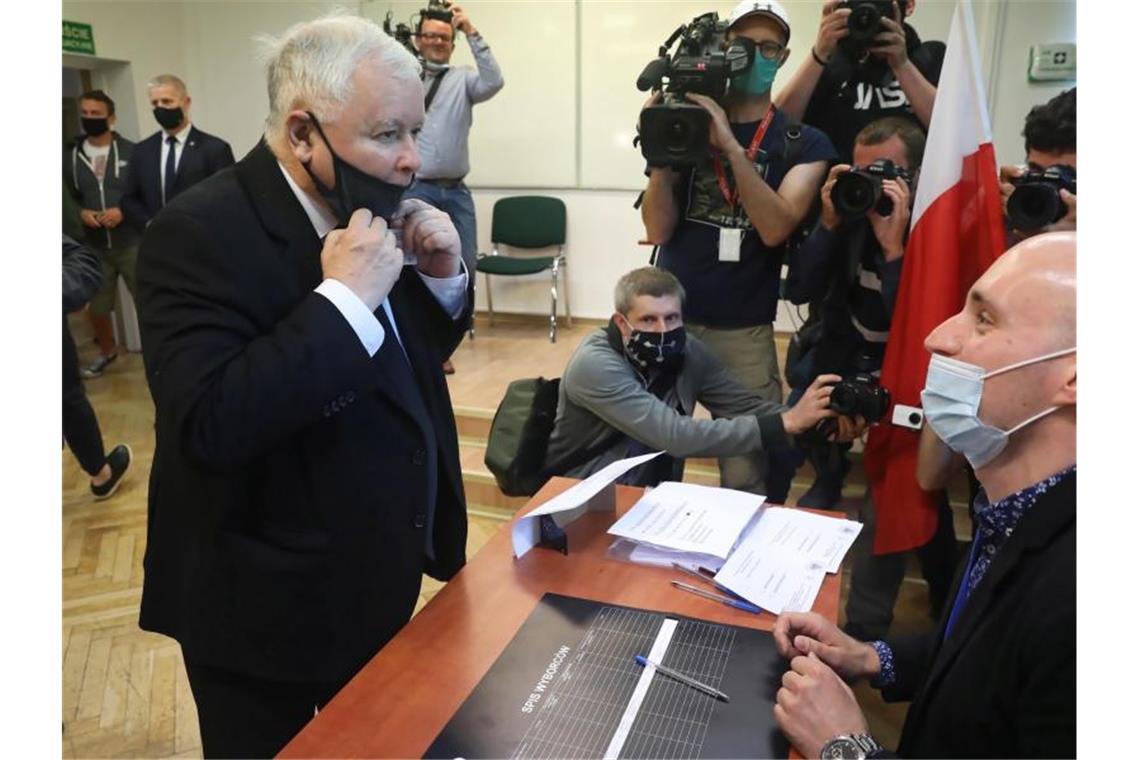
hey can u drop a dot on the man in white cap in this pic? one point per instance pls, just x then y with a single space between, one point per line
722 226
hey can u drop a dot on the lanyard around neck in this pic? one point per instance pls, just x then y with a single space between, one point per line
732 195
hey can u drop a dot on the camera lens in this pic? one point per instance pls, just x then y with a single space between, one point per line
678 135
1033 205
863 22
854 194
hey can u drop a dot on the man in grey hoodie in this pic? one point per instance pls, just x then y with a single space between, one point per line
94 169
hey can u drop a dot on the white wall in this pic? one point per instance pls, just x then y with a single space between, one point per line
210 43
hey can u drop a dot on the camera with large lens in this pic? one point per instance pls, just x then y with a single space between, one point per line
675 132
858 191
1036 199
437 10
864 24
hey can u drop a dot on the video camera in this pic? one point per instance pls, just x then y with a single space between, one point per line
675 132
1036 199
864 24
858 191
437 10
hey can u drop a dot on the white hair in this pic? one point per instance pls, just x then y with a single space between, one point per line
312 64
168 79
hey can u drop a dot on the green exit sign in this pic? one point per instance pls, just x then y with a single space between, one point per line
78 38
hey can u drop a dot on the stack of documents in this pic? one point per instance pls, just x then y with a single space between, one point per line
771 556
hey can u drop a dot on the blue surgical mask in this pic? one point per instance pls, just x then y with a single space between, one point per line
952 398
757 80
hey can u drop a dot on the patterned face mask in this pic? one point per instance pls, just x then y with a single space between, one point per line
657 350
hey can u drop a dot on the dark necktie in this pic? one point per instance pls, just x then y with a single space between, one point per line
171 171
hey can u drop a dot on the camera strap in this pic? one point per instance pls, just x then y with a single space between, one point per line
732 195
434 88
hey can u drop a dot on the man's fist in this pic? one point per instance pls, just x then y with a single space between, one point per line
429 235
812 406
364 257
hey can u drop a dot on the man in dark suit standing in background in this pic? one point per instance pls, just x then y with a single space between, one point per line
295 314
171 160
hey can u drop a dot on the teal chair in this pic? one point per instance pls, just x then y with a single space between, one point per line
528 222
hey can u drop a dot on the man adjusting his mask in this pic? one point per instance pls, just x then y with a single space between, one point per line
630 388
722 226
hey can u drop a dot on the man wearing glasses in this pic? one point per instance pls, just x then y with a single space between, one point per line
449 94
722 227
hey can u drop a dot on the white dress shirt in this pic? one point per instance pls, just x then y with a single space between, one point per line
179 145
449 291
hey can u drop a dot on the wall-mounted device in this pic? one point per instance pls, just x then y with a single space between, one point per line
1054 62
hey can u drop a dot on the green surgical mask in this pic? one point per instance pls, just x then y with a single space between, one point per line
758 79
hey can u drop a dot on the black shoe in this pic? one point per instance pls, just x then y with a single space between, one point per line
120 461
823 494
96 368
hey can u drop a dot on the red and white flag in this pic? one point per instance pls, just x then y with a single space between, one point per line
956 233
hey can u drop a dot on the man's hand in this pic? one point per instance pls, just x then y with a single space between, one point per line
364 257
90 218
814 706
1006 175
847 429
720 133
111 218
460 21
891 42
1068 222
429 234
828 216
802 633
812 406
890 230
832 28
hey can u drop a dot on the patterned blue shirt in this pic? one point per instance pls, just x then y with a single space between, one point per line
995 523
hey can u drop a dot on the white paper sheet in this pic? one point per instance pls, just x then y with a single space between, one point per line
783 557
571 503
689 518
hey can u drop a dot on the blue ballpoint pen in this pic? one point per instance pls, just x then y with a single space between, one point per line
677 676
740 605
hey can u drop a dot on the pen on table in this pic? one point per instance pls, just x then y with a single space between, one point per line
706 578
738 604
646 662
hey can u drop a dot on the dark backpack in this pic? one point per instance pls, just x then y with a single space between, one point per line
520 434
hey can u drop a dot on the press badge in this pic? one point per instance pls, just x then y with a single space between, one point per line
729 248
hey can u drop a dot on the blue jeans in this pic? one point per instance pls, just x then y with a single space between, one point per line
457 203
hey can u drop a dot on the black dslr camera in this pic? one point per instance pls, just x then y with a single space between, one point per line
858 191
858 395
675 132
437 10
864 24
1036 199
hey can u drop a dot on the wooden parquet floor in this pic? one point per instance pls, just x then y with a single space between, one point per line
125 692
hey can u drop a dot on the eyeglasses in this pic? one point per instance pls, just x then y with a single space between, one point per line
769 50
433 37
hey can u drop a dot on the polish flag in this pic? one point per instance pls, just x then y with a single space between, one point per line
956 233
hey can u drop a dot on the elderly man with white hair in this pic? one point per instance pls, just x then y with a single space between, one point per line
295 314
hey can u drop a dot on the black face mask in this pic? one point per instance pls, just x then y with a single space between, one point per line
168 118
663 351
356 189
95 127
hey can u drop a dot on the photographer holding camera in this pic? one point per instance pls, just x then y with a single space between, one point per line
866 63
722 224
849 269
450 92
1042 196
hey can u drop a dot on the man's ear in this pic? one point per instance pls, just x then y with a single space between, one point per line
1067 394
784 57
187 106
301 134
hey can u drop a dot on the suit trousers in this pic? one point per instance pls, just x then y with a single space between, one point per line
749 354
244 716
80 426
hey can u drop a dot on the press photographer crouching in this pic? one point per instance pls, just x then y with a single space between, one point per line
630 388
848 270
1042 195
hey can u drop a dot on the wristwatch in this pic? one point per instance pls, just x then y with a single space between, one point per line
851 747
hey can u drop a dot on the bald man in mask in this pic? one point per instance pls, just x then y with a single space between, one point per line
997 678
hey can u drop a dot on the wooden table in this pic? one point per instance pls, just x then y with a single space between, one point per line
400 701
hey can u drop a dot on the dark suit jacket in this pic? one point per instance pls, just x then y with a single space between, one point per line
202 156
1004 684
288 493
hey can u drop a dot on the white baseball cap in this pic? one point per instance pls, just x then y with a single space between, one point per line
769 8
